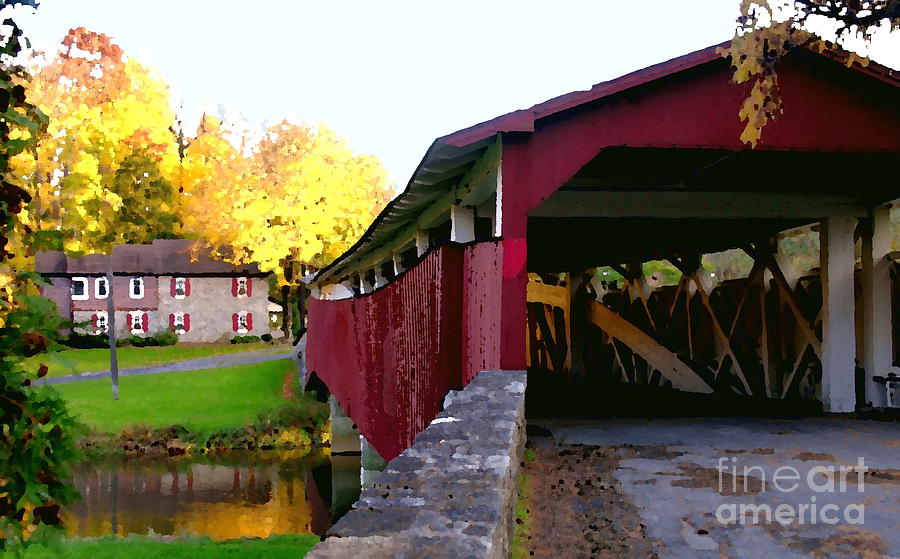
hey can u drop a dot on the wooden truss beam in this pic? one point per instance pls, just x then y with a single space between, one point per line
660 358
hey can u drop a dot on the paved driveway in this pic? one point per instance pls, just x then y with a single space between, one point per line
702 488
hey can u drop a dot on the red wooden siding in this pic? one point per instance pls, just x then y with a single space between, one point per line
481 309
390 357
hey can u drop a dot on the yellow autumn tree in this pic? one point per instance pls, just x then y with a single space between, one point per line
104 172
298 197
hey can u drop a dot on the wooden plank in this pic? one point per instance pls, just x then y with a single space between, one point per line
628 374
680 374
799 363
791 300
638 282
553 295
768 366
757 267
726 342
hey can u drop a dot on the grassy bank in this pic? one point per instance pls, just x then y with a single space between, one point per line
78 361
292 546
199 400
522 529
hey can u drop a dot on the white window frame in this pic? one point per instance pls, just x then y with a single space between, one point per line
86 292
131 288
242 283
97 283
102 328
178 323
136 317
242 323
183 283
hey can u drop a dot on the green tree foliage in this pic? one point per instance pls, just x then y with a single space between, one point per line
35 429
147 192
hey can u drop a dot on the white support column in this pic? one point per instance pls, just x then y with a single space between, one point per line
498 207
421 242
876 287
398 264
462 224
838 318
380 280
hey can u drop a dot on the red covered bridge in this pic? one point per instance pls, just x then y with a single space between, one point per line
490 258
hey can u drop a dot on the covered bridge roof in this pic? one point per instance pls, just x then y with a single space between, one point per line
457 159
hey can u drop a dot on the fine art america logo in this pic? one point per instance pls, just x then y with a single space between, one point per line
814 494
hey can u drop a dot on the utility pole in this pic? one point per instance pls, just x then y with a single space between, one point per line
111 328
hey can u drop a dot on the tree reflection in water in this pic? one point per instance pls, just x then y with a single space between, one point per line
227 496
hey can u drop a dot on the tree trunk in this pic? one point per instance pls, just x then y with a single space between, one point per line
111 329
286 311
301 307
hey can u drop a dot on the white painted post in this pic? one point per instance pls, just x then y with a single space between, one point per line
398 264
498 207
876 286
380 280
462 224
421 242
838 319
363 284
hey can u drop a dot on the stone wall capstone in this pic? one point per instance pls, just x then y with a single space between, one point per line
453 493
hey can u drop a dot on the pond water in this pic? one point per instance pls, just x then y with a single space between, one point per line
228 496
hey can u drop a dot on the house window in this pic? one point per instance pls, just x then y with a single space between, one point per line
101 324
241 287
138 321
181 322
101 288
136 288
179 290
80 289
242 322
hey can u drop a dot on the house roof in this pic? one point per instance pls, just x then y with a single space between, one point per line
450 157
163 257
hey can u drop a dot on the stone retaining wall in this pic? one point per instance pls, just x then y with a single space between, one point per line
453 493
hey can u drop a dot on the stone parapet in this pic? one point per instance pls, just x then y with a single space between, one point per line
453 493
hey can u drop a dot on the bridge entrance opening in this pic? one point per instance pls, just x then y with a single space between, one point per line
678 282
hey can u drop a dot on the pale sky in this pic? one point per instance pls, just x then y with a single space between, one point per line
390 76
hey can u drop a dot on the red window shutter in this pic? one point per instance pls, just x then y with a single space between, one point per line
172 287
172 321
93 320
145 321
187 287
234 322
234 287
249 287
187 322
249 321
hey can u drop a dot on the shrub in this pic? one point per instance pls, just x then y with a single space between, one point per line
165 338
160 339
132 340
244 339
86 341
266 338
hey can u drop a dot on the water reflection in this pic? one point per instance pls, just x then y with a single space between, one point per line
234 496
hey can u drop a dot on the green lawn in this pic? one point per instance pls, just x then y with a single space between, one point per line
292 546
77 361
199 400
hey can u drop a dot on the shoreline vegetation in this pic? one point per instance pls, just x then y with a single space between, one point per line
258 406
282 546
207 416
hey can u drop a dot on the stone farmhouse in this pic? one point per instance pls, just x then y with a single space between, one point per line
159 287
